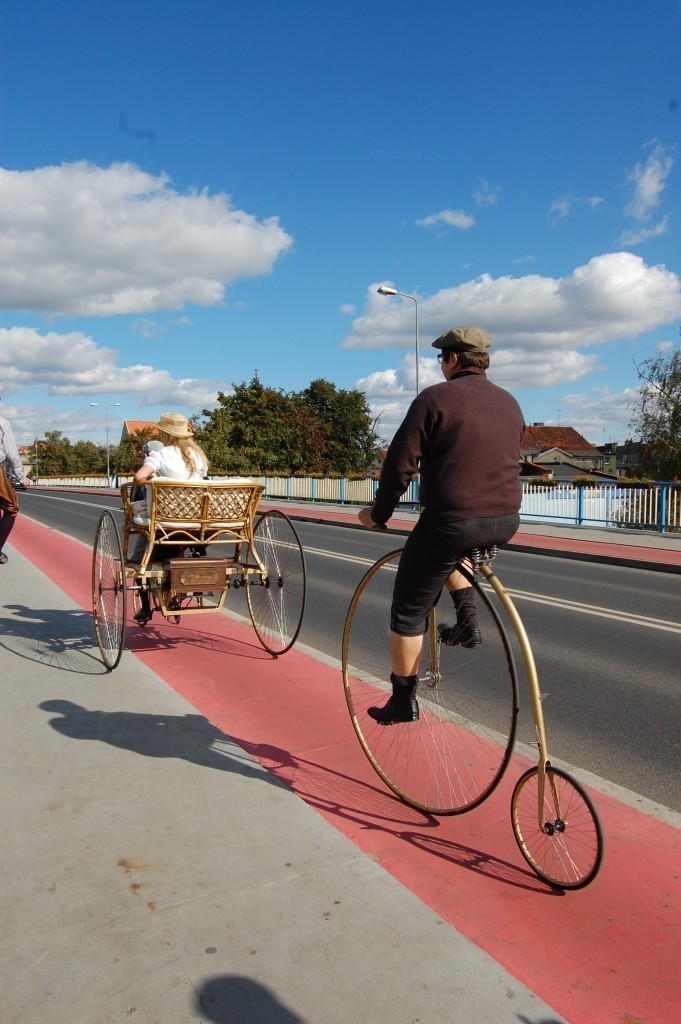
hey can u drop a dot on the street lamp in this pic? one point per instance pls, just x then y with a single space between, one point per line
384 290
114 405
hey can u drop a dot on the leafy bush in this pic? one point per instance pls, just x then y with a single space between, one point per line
585 481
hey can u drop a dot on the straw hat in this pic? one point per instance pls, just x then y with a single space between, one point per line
175 424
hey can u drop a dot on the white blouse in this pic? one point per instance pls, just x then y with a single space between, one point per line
168 462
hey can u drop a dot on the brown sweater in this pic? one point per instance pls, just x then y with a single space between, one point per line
463 436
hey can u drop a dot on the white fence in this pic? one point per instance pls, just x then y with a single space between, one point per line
654 507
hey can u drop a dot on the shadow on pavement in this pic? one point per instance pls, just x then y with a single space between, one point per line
185 737
377 809
228 998
63 639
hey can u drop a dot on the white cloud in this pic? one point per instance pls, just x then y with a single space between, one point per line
348 309
147 328
599 414
545 331
562 207
635 237
84 240
73 364
450 218
593 414
616 295
649 180
559 209
484 195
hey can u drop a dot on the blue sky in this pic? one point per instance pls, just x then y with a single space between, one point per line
193 192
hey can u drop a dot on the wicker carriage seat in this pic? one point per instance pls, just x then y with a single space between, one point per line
176 504
206 512
188 506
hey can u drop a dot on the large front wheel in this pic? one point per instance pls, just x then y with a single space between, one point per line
276 598
455 754
108 590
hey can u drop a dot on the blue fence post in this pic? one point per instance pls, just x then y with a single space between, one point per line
662 514
580 504
342 490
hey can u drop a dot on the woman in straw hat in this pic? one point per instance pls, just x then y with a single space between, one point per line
178 458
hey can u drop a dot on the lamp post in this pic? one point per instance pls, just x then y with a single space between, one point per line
114 405
384 290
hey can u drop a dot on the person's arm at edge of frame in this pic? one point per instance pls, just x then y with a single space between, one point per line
12 456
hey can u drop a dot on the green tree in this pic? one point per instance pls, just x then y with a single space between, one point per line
212 433
55 456
352 444
258 429
128 456
87 457
656 419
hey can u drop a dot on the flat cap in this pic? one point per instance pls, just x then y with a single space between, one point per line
465 339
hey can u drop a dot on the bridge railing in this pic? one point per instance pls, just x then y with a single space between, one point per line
655 506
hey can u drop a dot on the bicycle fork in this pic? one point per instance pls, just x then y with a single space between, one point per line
536 704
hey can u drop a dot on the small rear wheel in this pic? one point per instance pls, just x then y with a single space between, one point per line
108 590
565 848
276 599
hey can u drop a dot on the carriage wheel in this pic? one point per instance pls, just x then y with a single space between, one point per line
108 590
276 601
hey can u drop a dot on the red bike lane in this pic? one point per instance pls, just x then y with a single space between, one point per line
607 953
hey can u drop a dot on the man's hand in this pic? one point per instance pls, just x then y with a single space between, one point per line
364 516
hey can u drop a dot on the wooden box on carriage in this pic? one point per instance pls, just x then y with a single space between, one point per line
189 575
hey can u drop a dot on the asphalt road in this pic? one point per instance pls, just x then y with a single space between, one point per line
605 639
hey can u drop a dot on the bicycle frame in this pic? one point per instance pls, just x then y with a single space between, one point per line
532 683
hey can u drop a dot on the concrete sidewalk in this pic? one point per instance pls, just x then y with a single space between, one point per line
155 872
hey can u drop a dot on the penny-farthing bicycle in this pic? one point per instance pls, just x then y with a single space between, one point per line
454 756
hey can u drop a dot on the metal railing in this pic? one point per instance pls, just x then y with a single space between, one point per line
648 507
655 506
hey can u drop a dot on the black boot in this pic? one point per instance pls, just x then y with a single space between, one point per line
145 612
467 629
402 706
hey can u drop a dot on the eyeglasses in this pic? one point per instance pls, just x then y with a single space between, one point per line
440 356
